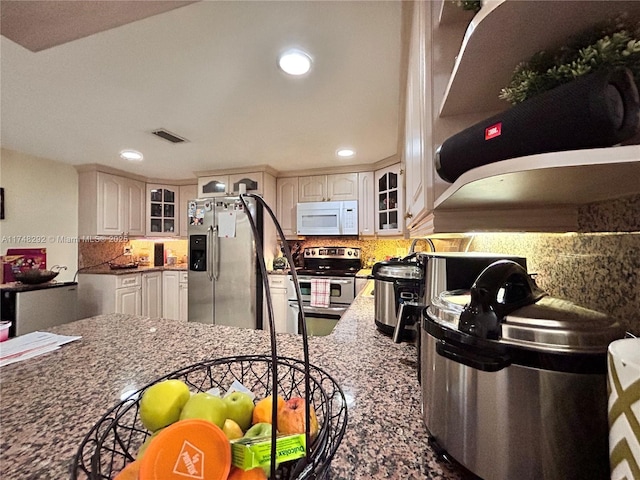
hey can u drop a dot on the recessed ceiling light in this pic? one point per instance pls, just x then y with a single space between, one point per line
131 155
295 62
345 153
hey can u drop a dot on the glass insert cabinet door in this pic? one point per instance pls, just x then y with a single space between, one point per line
162 210
388 217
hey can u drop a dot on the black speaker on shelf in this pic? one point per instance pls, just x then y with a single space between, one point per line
597 110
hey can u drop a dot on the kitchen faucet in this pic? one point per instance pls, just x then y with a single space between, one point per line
416 240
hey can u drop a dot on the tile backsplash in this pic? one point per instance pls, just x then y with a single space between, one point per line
99 253
597 271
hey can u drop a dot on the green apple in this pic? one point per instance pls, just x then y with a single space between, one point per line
206 407
161 403
259 430
231 429
262 431
240 408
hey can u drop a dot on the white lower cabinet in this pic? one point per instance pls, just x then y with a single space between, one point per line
156 294
100 294
152 294
280 294
175 290
183 299
128 300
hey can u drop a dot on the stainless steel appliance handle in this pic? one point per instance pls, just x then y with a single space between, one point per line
332 281
216 254
319 310
209 252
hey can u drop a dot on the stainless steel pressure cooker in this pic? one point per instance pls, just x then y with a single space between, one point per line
514 381
395 282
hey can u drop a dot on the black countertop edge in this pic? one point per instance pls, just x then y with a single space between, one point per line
23 287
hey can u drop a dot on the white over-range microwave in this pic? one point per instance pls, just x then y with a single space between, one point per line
328 218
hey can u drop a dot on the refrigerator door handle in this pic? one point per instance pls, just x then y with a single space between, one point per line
216 254
209 252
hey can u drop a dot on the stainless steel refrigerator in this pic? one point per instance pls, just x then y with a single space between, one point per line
225 283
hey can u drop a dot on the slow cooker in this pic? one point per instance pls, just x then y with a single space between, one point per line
396 282
514 381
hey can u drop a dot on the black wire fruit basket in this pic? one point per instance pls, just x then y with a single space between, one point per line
113 442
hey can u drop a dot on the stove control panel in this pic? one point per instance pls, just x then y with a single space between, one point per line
332 252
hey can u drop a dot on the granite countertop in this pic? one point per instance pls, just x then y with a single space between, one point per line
106 270
364 273
50 402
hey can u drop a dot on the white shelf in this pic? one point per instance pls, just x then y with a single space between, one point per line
506 32
567 178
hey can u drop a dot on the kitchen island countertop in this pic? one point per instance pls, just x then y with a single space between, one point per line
50 402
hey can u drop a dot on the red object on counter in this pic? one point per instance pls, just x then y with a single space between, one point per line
19 259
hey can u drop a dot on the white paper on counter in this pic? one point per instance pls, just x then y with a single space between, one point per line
31 345
227 224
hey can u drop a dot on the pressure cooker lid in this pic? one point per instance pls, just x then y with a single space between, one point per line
505 305
557 324
393 269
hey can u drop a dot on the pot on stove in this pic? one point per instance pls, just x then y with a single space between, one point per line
514 381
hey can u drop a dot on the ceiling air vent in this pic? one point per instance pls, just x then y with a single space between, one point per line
168 136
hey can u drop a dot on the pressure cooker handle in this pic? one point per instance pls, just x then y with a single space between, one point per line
500 289
466 356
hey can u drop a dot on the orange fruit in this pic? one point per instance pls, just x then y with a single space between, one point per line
129 472
262 410
253 474
291 418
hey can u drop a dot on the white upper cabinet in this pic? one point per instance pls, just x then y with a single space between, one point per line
221 185
342 186
389 201
418 165
286 200
366 203
324 188
312 188
187 192
110 205
213 186
163 204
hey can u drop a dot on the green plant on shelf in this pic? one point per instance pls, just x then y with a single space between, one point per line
473 5
611 46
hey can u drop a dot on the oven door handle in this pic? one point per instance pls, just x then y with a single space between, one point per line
333 281
318 310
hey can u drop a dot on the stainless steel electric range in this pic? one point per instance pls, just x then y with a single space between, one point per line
333 268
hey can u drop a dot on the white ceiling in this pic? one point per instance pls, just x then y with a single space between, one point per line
207 71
